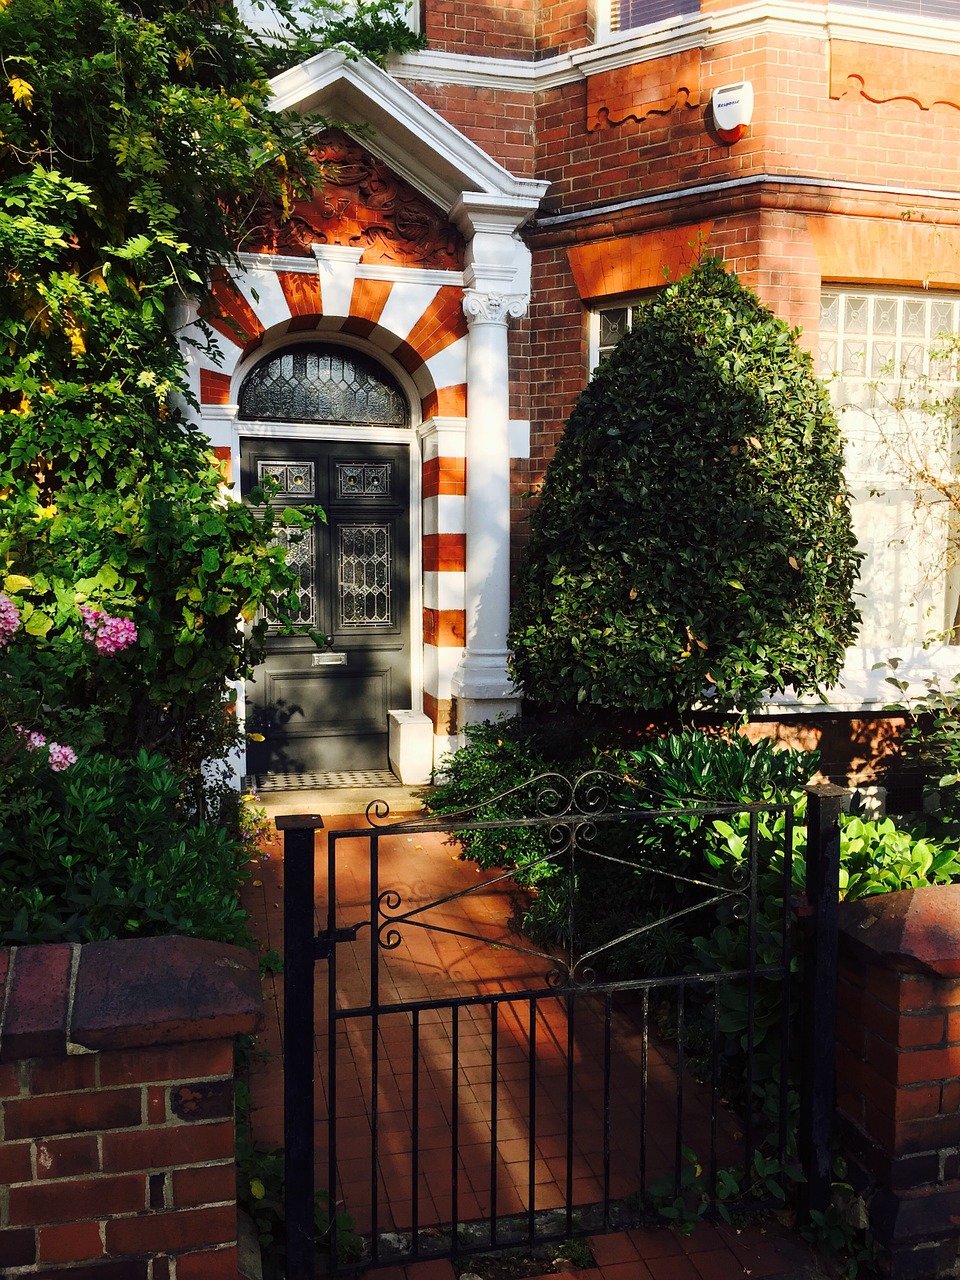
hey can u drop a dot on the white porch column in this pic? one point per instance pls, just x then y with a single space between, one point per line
482 687
497 280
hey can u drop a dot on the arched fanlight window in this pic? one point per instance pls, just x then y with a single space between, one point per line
322 384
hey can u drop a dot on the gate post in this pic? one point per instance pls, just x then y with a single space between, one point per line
299 958
818 1017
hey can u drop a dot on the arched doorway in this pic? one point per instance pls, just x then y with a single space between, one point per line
316 419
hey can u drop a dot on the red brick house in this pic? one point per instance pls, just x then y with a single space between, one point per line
406 349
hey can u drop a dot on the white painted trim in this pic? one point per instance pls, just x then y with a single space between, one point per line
258 430
385 271
701 189
514 75
443 438
416 141
863 689
444 589
519 434
675 35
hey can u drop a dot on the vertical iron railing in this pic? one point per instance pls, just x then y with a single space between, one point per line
819 998
299 958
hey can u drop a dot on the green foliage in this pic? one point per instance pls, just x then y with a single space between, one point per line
106 850
496 765
261 1183
932 740
698 766
139 147
377 29
841 1231
693 541
876 856
668 771
684 1200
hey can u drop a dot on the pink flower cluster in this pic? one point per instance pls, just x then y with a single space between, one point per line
109 635
9 619
61 756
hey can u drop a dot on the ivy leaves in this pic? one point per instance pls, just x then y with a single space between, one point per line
693 542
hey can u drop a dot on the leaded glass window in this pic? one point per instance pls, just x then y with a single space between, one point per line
301 600
364 574
607 326
293 479
364 479
322 384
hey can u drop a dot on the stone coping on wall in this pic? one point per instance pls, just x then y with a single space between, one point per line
915 930
63 998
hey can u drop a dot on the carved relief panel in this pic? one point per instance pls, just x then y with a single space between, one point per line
364 204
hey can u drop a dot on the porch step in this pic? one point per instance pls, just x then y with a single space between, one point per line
325 781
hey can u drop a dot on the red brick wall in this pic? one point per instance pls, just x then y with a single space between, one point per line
898 1071
116 1108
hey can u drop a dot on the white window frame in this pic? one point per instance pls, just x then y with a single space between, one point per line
853 356
598 348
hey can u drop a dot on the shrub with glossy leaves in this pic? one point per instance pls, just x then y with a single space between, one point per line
693 543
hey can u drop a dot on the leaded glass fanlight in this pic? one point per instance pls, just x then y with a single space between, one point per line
321 383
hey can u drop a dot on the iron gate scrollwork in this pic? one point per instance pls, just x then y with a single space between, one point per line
480 1089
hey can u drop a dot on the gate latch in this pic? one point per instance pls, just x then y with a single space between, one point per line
324 943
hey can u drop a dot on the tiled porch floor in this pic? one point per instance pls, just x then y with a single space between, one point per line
492 1166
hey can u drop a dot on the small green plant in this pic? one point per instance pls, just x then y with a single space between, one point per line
576 1251
842 1230
932 740
684 1200
261 1183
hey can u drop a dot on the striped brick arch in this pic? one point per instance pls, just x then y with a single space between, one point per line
416 318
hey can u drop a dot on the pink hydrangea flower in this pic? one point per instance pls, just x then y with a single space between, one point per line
61 757
109 635
9 619
32 739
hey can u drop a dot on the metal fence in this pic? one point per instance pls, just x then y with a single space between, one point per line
557 1089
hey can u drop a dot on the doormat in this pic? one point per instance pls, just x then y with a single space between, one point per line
325 781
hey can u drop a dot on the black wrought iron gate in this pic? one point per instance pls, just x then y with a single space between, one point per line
461 1088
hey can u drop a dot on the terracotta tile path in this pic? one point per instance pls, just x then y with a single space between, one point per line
489 1101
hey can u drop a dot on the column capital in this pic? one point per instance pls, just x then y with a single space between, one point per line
493 307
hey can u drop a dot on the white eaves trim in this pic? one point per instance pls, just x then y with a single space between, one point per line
416 141
676 35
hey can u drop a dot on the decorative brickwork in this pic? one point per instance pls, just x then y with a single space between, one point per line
116 1108
898 1072
635 92
884 75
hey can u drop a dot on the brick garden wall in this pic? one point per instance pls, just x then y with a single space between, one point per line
116 1108
898 1073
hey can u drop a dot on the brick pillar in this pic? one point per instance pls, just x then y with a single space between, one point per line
116 1108
898 1073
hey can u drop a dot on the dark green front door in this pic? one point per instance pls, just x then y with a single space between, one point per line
327 709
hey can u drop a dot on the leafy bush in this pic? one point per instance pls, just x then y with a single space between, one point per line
105 850
875 857
140 146
693 540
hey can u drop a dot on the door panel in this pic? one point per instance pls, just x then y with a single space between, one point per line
327 709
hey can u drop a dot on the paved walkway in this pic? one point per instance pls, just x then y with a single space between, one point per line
485 1167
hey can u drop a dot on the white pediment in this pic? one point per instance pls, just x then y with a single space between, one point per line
416 141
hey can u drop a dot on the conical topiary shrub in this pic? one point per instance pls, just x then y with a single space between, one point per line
692 544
